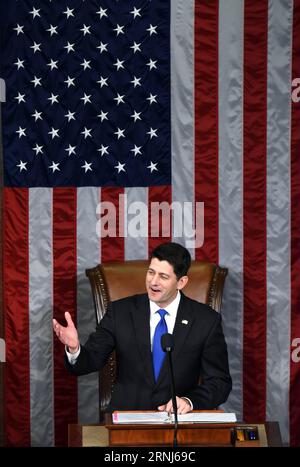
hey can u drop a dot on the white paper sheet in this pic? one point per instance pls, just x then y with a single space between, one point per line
163 417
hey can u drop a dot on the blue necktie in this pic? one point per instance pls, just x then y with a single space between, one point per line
158 354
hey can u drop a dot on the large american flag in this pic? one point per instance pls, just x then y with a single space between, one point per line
178 101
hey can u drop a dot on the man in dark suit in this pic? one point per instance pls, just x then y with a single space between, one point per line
132 325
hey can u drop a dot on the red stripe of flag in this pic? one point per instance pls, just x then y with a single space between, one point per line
16 316
206 123
112 246
255 122
64 299
163 224
295 236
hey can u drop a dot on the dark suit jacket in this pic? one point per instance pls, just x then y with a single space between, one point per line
199 351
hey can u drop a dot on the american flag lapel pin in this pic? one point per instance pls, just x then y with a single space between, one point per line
184 321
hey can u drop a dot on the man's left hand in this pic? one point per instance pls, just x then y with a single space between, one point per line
183 406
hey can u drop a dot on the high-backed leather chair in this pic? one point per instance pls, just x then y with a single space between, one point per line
114 280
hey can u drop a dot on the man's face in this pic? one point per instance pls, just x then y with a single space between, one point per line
162 283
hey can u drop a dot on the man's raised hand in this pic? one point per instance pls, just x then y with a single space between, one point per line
67 334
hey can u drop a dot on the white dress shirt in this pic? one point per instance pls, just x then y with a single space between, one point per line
170 317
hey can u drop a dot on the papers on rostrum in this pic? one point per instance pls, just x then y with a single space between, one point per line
164 417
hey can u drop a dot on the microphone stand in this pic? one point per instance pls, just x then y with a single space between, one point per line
174 402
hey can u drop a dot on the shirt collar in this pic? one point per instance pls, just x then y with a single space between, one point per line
171 309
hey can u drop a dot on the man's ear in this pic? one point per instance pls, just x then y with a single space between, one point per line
182 282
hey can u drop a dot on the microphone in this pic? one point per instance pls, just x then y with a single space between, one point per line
167 344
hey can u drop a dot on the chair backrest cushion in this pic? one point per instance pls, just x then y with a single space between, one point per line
128 278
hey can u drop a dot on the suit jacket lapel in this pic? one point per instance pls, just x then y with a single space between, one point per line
141 322
183 323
